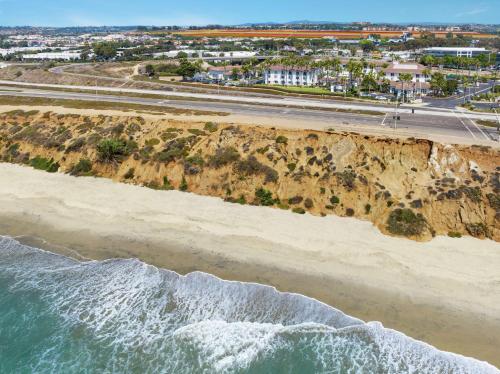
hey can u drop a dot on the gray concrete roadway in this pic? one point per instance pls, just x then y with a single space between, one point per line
457 125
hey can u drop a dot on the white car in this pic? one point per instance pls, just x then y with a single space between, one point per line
337 88
382 98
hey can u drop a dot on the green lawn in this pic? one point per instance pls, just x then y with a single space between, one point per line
296 89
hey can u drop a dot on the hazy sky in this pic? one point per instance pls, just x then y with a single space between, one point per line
201 12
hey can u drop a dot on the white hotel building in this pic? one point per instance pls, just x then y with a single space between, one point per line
291 76
419 84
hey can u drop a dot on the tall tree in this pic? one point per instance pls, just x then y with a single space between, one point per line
405 78
105 50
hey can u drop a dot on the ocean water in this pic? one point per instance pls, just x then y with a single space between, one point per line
58 315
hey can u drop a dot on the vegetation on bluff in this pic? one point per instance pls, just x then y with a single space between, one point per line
412 188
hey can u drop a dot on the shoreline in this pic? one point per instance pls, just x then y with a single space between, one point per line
99 219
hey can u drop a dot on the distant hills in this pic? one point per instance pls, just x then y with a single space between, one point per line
309 22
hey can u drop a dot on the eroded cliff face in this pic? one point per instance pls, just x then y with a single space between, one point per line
413 188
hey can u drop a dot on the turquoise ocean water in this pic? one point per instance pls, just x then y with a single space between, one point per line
58 315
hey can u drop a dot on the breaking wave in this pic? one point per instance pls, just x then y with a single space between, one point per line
124 316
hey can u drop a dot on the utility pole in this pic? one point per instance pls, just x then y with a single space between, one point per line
498 125
396 114
465 89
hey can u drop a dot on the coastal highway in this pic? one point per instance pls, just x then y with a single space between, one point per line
276 100
452 124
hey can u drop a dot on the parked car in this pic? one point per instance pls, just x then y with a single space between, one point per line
381 98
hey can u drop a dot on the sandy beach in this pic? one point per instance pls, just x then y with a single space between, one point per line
445 292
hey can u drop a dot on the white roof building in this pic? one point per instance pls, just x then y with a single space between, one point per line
14 50
418 85
455 51
65 55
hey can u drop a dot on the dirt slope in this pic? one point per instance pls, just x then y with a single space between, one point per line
413 188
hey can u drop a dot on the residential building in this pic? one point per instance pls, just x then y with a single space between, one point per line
64 55
455 51
403 39
395 55
13 50
419 84
291 75
232 54
222 73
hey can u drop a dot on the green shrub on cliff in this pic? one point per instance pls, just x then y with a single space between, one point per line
251 166
113 150
281 139
152 142
299 210
223 157
183 186
83 167
406 223
197 132
494 200
265 197
334 200
42 163
368 208
478 230
210 126
166 186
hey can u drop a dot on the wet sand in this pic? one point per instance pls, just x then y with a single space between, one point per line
445 292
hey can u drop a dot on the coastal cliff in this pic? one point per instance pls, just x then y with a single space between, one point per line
412 187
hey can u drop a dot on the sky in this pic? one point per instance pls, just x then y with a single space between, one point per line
233 12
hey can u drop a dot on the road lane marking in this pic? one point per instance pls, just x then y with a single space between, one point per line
463 123
385 117
475 124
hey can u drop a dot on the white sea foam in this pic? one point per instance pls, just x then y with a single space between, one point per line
126 315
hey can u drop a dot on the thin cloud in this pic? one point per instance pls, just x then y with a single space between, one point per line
471 12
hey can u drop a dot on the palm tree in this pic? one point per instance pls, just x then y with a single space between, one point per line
358 73
405 78
426 72
380 78
369 81
329 66
355 70
245 69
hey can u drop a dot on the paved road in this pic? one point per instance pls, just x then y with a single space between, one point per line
449 103
268 101
456 100
457 126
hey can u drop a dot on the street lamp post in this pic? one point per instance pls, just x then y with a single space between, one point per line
396 114
498 125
